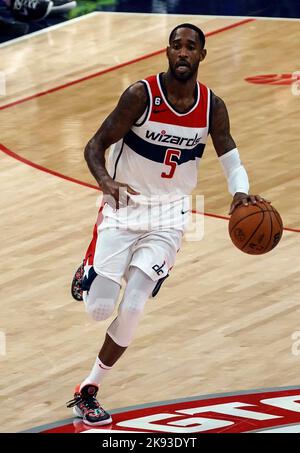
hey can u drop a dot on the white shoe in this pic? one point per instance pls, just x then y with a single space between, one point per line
63 6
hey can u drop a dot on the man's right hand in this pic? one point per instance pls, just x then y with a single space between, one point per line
116 193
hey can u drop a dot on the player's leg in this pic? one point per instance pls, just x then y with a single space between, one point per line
78 281
122 330
100 300
78 278
100 295
154 254
104 293
104 268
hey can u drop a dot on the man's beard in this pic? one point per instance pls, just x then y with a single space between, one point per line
185 76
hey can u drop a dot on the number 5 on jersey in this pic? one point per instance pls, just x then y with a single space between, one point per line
171 159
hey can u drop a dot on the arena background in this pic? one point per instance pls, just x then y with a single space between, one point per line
260 8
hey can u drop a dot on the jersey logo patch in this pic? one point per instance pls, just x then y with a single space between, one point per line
159 269
160 111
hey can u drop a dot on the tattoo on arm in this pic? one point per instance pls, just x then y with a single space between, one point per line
220 127
131 106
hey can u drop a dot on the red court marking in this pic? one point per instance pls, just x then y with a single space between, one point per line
217 216
259 410
46 170
113 68
275 79
10 153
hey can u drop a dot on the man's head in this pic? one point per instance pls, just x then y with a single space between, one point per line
185 51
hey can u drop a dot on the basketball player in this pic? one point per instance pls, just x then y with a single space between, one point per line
159 130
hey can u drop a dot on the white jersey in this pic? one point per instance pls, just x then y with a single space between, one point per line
159 158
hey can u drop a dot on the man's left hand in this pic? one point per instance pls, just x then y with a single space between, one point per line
244 199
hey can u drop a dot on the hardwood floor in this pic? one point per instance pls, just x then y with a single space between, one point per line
224 320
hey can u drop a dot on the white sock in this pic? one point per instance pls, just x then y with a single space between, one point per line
98 372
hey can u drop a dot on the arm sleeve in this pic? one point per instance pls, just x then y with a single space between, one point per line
237 178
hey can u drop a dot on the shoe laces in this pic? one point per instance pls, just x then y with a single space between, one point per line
27 4
90 402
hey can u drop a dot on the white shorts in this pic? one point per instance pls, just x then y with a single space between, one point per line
116 249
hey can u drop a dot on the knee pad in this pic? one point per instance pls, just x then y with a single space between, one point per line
139 288
133 305
100 297
99 309
123 328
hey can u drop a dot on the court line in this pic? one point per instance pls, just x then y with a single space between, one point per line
123 410
217 216
198 16
77 19
113 68
16 156
41 168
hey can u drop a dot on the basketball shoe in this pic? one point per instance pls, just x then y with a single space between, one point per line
63 6
31 10
76 286
86 406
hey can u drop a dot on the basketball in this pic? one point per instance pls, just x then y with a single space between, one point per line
255 229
